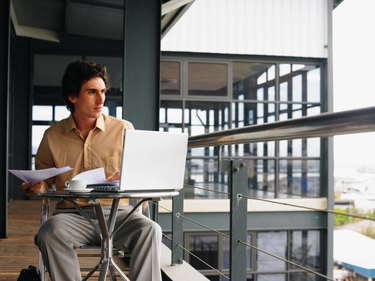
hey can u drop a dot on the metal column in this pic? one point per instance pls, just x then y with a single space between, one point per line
238 218
177 228
142 19
4 101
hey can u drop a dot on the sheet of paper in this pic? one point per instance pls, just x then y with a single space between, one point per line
33 176
92 176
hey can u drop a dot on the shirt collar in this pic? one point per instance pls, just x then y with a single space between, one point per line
71 125
100 124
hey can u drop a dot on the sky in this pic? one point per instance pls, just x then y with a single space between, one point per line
354 75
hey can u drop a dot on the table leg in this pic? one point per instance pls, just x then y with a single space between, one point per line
107 262
105 231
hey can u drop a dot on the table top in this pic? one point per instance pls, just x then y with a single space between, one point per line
106 194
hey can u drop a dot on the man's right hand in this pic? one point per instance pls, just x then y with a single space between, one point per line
31 188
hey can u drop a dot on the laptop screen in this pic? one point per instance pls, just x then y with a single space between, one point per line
153 161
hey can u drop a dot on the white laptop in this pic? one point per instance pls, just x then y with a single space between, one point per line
152 161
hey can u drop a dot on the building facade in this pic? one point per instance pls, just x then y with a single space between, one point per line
225 65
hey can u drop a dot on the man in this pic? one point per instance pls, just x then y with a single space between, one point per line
89 139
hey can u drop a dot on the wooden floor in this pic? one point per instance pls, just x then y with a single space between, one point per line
18 251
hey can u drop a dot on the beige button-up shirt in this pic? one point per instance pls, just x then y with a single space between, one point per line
63 145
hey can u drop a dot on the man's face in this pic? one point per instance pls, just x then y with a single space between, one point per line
90 101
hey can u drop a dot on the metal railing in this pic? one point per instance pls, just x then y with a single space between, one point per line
323 125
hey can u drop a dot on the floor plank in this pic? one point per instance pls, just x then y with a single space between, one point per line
18 251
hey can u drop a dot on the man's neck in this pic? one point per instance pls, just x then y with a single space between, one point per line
84 125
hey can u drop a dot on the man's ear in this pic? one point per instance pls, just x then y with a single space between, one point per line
72 99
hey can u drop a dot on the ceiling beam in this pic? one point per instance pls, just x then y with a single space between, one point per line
32 32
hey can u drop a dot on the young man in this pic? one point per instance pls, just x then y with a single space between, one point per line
89 139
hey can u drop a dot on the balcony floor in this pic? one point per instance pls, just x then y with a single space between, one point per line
18 250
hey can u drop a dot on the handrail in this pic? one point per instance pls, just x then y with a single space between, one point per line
323 125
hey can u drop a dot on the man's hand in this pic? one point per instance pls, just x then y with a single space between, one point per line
114 177
31 188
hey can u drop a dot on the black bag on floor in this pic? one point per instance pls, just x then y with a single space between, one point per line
29 274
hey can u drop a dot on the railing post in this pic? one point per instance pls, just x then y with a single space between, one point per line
177 228
238 219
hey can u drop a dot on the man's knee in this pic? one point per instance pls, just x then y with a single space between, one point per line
48 231
155 230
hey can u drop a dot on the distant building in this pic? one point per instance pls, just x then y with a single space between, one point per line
355 254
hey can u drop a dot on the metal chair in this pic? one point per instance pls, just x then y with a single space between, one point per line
84 251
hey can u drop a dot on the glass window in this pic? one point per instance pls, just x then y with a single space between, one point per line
297 147
297 111
305 248
167 239
207 79
260 94
262 78
61 112
42 112
171 116
170 78
274 242
284 91
256 100
284 69
250 78
206 248
313 85
313 110
206 117
271 93
271 277
299 177
304 276
37 135
271 72
243 114
296 67
297 88
119 112
264 178
313 147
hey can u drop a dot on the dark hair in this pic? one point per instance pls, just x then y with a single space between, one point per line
76 74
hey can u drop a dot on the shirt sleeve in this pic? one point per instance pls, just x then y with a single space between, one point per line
43 158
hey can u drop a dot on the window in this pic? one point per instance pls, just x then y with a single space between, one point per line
207 79
210 251
206 248
170 78
197 99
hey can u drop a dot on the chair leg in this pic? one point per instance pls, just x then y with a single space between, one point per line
44 216
112 273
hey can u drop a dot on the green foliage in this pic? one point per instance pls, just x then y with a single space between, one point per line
341 219
371 214
345 218
369 231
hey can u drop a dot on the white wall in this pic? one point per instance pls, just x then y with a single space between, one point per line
256 27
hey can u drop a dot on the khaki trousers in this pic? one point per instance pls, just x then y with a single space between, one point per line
62 233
